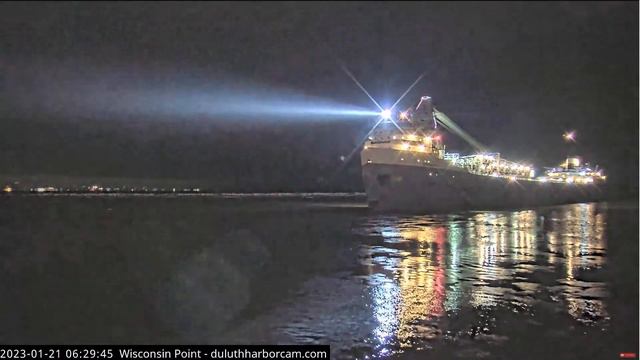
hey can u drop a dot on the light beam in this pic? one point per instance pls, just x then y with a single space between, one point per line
106 95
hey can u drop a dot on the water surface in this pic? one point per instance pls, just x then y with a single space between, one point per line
558 281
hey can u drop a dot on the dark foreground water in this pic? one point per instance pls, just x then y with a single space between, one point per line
556 282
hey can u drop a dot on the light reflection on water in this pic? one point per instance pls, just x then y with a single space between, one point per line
467 285
425 269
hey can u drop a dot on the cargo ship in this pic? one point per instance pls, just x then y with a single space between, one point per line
406 168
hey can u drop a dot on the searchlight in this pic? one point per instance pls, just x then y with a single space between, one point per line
386 114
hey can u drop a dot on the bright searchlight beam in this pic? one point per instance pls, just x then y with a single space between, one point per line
154 94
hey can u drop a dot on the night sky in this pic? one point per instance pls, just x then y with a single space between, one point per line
117 90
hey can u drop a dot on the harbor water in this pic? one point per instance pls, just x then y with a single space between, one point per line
552 282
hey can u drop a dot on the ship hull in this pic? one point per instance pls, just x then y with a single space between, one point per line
402 188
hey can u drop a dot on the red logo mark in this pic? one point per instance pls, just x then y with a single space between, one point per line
627 355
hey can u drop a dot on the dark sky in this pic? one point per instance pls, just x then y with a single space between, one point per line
75 76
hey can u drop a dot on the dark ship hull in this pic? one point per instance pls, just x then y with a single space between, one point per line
404 188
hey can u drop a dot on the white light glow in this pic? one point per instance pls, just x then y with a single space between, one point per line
569 136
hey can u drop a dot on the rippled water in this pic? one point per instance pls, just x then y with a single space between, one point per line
557 282
473 285
427 268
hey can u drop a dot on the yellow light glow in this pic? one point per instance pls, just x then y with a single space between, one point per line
570 179
7 189
405 146
412 137
421 148
403 115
